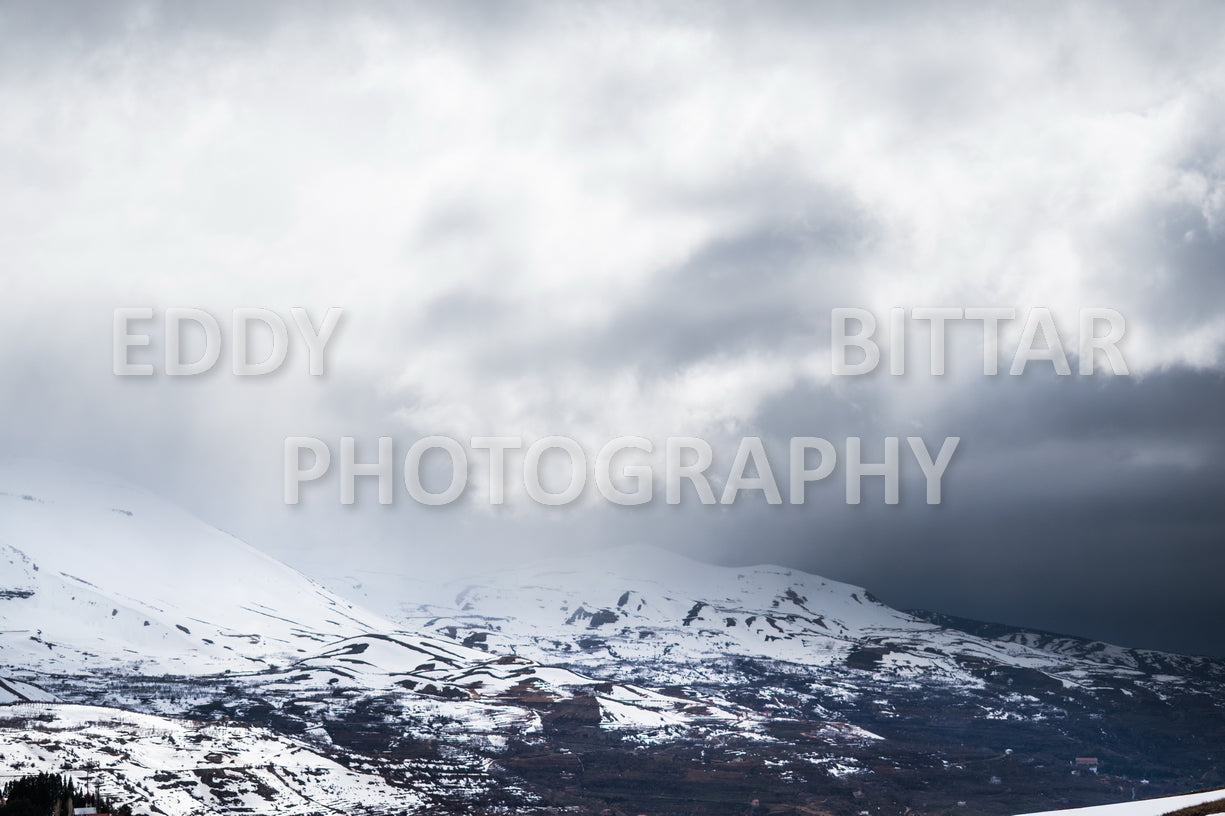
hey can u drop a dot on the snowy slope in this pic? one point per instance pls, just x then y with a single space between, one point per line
643 614
621 609
183 767
1143 807
446 669
97 576
433 688
97 573
14 691
707 608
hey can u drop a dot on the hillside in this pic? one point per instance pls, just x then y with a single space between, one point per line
96 572
1145 807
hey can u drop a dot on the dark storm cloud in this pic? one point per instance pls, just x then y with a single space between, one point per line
1091 507
1176 405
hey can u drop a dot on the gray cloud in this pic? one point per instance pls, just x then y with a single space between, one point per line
772 284
589 220
1085 506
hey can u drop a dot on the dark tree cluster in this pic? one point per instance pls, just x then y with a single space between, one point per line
47 793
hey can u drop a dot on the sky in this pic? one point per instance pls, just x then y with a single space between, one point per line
605 220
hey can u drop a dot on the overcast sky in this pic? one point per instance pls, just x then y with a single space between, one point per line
621 219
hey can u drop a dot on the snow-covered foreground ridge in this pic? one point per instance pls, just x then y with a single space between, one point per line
1143 807
187 767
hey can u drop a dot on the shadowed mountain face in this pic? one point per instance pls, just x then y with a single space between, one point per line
632 680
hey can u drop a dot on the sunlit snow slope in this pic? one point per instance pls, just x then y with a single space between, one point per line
187 768
1144 807
96 573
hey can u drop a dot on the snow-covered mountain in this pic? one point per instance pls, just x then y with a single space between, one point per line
640 612
596 681
981 714
101 576
638 608
95 573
